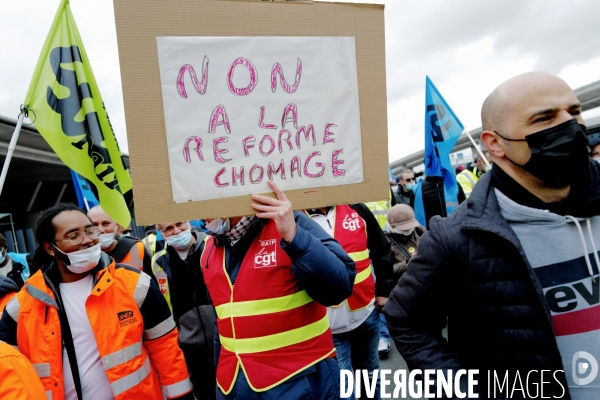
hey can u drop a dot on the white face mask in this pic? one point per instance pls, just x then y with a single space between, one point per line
106 240
217 226
82 261
405 233
182 240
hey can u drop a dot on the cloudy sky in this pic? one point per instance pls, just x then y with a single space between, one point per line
467 47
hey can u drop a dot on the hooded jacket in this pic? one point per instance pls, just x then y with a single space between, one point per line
8 289
472 269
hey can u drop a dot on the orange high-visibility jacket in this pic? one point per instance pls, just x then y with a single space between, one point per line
268 325
18 380
4 301
138 358
135 257
350 230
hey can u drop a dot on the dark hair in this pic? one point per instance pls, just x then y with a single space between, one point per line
45 231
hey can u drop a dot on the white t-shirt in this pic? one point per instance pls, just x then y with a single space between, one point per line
94 383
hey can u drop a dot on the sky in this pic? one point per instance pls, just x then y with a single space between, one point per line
467 47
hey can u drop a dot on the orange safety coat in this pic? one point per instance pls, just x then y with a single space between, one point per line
18 379
137 361
268 325
4 301
350 230
135 257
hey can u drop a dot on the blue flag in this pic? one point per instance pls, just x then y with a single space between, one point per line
84 192
442 130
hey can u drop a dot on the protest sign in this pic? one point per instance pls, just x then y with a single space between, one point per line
222 95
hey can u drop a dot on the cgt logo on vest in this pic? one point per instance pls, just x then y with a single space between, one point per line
126 318
266 256
351 222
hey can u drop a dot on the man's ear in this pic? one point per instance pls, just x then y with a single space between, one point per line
49 248
490 141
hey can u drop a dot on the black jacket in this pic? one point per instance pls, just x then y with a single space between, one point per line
405 198
434 202
193 314
7 286
472 269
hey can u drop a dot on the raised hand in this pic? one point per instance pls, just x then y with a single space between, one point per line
279 210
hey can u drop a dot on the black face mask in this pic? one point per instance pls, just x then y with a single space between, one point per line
559 155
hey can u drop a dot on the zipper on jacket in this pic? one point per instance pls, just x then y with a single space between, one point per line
46 315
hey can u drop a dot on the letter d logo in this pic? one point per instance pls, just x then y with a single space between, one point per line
583 367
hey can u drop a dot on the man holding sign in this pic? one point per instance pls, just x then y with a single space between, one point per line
273 328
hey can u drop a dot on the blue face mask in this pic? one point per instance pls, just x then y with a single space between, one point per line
409 186
217 226
181 241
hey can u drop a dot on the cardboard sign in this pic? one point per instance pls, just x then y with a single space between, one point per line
222 95
234 119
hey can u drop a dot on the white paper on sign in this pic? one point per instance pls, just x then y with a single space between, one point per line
241 110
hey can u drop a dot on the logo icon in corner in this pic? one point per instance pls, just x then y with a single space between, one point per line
580 367
126 318
266 255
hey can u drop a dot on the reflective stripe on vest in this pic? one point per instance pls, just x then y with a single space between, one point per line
135 256
160 330
42 369
13 308
177 389
380 209
161 277
141 289
272 331
122 356
264 306
49 394
150 243
276 341
133 379
350 230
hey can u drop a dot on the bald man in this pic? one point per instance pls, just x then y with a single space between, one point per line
124 249
515 269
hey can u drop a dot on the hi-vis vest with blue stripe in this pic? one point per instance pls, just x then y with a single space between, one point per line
268 325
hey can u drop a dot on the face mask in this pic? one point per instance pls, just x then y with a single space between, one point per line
597 159
106 240
217 226
2 256
559 154
180 241
405 233
81 261
409 186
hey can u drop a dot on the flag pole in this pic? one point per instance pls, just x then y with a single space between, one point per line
11 146
477 148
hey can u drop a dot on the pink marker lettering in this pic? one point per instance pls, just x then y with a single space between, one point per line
186 148
307 133
260 176
253 77
217 152
294 110
261 147
286 139
278 70
247 145
318 164
326 138
335 162
260 120
295 164
219 117
200 86
217 180
237 177
272 171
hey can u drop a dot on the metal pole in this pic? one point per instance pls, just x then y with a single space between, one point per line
477 148
12 227
11 148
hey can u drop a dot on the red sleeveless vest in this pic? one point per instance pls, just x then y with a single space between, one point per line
268 325
350 231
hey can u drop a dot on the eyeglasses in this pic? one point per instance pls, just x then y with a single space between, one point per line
409 179
168 231
127 231
76 237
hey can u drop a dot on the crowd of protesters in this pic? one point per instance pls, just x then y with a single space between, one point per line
273 305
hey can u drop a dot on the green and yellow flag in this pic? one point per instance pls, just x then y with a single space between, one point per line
69 113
